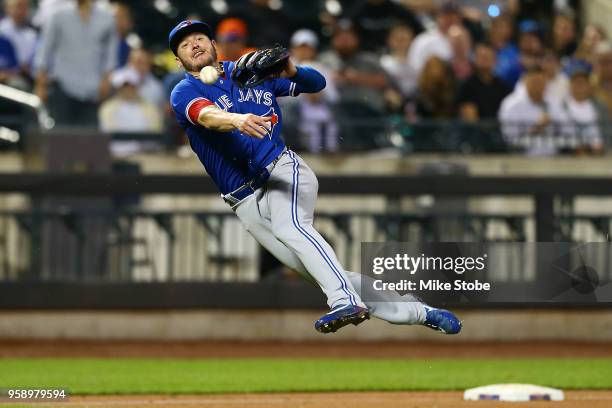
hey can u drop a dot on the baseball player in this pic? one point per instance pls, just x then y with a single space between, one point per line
233 123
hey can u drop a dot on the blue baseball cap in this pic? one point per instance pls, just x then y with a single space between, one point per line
529 27
184 28
577 67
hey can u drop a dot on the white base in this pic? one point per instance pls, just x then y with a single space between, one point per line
513 392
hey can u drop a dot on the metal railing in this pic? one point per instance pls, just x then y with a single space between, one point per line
57 255
367 132
153 246
31 101
491 136
92 238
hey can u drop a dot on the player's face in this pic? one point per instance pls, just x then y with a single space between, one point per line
195 52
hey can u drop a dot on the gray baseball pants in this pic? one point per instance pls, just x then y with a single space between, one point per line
280 217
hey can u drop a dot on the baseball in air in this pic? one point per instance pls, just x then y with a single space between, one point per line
209 74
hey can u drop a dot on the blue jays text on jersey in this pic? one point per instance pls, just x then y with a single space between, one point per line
233 158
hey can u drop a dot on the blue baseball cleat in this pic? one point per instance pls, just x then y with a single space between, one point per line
442 320
340 317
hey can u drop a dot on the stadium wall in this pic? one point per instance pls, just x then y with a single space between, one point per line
383 163
294 325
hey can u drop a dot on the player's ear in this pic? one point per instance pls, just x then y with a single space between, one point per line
179 63
214 45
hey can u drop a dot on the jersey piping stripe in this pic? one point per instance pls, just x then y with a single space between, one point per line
313 241
205 101
311 238
292 89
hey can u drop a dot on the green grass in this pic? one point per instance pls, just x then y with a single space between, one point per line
174 376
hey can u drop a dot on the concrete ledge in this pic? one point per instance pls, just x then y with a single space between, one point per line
595 325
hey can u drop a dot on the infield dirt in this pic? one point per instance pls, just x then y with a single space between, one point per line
574 399
207 349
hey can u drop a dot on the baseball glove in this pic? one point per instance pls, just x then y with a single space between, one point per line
256 67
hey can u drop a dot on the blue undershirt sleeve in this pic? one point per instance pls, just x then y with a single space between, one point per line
307 80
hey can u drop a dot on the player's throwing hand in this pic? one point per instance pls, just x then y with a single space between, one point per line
253 125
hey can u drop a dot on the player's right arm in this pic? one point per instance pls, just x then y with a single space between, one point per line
189 103
216 119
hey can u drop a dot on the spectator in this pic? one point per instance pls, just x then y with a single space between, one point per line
128 112
9 67
436 90
316 117
395 60
508 67
530 47
77 55
530 44
524 115
266 22
125 26
375 18
481 95
603 75
557 84
149 87
577 114
541 10
472 18
564 35
304 44
357 74
592 36
232 35
461 44
435 42
15 27
46 8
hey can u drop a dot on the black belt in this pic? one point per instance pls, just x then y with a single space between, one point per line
235 197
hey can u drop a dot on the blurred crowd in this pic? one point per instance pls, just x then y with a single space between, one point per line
533 66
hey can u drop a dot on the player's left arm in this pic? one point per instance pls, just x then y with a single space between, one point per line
298 79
